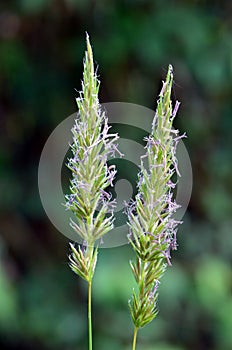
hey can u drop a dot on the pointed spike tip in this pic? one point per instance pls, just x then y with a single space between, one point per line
170 69
89 47
87 39
170 73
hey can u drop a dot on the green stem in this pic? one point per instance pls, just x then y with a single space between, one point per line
90 315
135 338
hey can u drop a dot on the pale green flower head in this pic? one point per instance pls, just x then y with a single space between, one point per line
92 144
150 217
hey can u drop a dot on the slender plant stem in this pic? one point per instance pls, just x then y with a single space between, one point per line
135 338
90 315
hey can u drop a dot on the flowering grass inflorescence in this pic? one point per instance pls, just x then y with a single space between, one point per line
150 217
91 204
91 146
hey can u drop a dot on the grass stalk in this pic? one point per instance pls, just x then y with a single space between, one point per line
90 315
135 338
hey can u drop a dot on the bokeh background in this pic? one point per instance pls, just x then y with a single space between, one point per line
42 303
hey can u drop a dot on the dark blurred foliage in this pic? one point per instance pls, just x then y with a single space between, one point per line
42 304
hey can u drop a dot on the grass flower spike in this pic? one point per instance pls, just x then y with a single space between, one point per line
89 201
150 217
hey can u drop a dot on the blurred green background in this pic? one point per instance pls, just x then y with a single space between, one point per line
42 303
